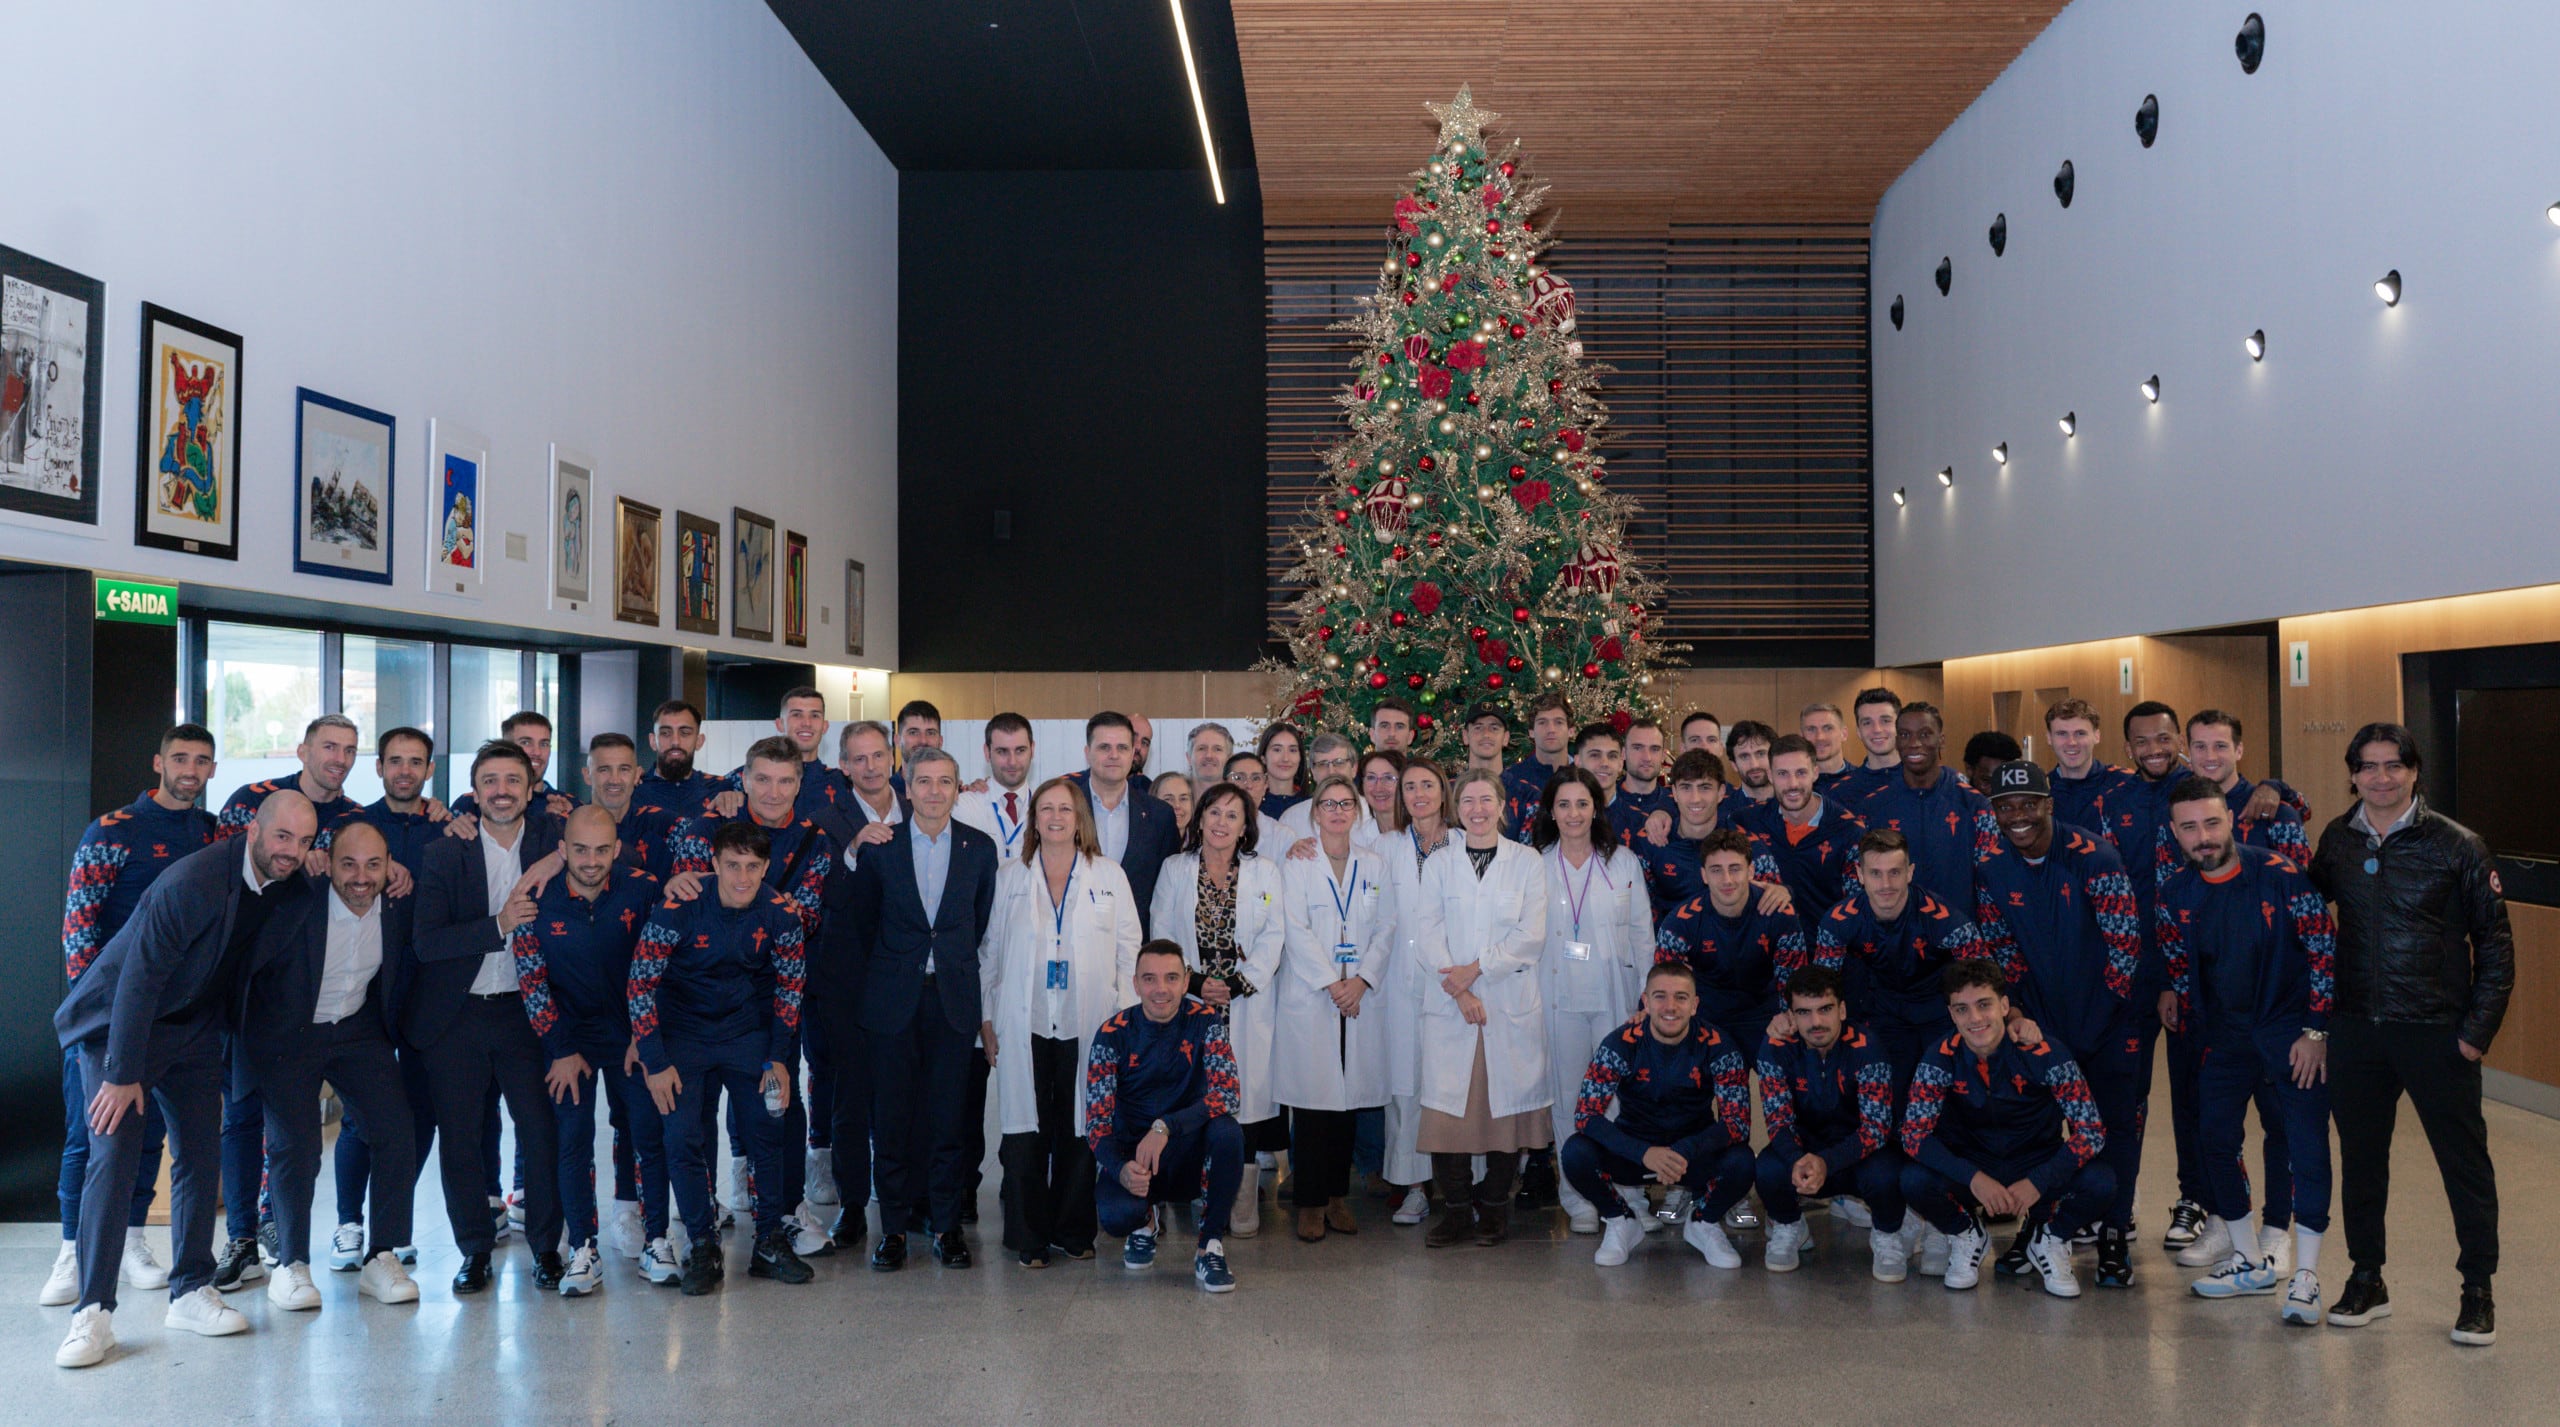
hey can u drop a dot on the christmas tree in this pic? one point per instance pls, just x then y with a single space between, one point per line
1467 546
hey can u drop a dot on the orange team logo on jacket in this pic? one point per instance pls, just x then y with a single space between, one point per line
757 937
1954 822
1696 1077
2019 1081
702 941
628 917
2017 899
559 928
2268 911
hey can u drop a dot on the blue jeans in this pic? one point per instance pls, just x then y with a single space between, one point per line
75 1150
2293 1121
736 1066
1876 1179
1211 1155
1948 1206
1719 1180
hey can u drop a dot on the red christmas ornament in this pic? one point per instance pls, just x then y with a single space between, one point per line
1423 722
1591 671
1555 386
1515 663
1622 721
1324 631
1435 382
1595 567
1398 553
1413 260
1432 538
1377 681
1466 356
1530 494
1520 614
1413 681
1360 626
1493 225
1426 596
1417 346
1409 298
1519 473
1473 399
1406 208
1365 391
1340 550
1493 681
1477 632
1342 517
1386 503
1396 618
1448 282
1386 359
1506 168
1428 463
1551 301
1518 331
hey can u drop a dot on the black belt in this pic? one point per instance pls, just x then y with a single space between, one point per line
497 995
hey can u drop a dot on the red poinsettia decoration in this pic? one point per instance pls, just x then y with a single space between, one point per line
1406 210
1426 597
1622 721
1608 647
1435 382
1530 494
1492 651
1466 356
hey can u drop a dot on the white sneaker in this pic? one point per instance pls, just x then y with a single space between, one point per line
742 1199
2211 1246
822 1177
1893 1255
2051 1255
346 1248
809 1238
203 1311
1851 1210
1964 1256
1580 1214
2239 1277
140 1268
585 1274
290 1287
2275 1244
1633 1195
1708 1239
1618 1238
1786 1246
63 1286
515 1209
1675 1205
501 1222
623 1231
2302 1299
1742 1218
1412 1209
660 1263
1934 1251
383 1280
92 1337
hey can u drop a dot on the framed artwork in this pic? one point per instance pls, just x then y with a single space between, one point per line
751 576
853 607
635 539
187 476
342 488
457 509
53 346
697 574
795 589
573 497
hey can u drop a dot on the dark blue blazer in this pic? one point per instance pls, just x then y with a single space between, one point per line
1152 839
284 980
848 815
891 936
453 926
159 961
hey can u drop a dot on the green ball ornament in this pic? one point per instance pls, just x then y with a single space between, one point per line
1429 698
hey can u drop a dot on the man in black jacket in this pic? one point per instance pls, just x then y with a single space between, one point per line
2426 963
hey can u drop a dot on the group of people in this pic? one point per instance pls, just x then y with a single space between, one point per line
1491 984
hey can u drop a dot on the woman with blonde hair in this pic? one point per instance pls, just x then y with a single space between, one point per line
1059 957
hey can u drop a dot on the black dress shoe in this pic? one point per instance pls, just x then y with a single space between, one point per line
969 1210
548 1270
951 1248
474 1274
890 1254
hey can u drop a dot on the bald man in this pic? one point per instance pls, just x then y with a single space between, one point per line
148 1018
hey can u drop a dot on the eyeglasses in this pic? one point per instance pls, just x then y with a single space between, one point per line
1336 805
1383 779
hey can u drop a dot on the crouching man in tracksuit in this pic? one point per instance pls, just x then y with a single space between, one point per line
1827 1094
1160 1114
714 998
2008 1127
2251 954
1684 1117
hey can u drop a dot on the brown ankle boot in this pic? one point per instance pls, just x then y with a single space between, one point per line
1493 1223
1311 1224
1456 1224
1337 1217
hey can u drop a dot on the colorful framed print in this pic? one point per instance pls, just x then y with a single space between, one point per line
53 348
635 542
751 575
697 574
573 502
853 608
458 523
343 462
187 476
795 589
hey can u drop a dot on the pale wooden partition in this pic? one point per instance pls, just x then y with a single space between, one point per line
2188 672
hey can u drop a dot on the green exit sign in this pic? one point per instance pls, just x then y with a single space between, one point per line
136 601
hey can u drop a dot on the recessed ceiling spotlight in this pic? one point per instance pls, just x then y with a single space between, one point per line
2151 389
2387 287
1999 234
1947 477
2256 343
2000 453
2070 423
2553 213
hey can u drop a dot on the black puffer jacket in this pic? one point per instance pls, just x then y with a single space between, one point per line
2423 935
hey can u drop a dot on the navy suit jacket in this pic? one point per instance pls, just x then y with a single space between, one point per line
891 936
284 981
1152 839
453 926
159 961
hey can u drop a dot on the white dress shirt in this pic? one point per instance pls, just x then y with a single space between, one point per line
506 865
1111 825
354 953
985 812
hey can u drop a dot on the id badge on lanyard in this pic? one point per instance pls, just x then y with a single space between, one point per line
1346 952
1056 979
1578 950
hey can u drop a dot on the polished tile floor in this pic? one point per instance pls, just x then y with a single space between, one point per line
1366 1329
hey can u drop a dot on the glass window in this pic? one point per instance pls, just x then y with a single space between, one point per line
385 684
488 685
262 686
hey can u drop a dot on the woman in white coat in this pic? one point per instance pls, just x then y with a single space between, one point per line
1060 956
1481 926
1599 946
1427 830
1221 902
1329 1049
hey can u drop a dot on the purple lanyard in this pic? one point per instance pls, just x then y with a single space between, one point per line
1578 902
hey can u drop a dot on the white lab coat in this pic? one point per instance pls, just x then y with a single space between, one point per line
1101 951
1587 999
1406 983
1299 822
1320 1059
1500 923
1260 929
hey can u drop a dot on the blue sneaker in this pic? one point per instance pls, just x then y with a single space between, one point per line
2238 1277
1210 1268
1138 1251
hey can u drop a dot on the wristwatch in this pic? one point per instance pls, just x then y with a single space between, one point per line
2315 1037
1160 1128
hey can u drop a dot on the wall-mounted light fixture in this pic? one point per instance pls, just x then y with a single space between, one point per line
2000 454
2251 44
1946 275
2256 345
2151 389
2553 213
2387 287
2070 423
1947 477
1895 312
1899 498
1999 234
2063 184
1199 106
2146 120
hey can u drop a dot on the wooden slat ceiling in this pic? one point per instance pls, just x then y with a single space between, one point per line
1639 113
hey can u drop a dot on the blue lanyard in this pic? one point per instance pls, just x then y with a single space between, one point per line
1342 902
1058 913
1007 836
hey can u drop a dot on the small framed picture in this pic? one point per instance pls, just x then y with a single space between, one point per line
751 575
457 509
187 476
697 574
573 497
795 589
853 607
53 351
344 462
635 543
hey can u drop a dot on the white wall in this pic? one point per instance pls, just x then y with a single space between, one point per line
647 230
2376 455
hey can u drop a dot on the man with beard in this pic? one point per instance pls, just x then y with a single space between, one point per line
1812 841
530 730
1931 807
1749 746
1642 789
672 783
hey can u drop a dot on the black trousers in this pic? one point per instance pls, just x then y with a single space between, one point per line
184 1071
1048 1172
356 1056
973 1115
919 1094
1320 1154
489 1038
2370 1064
850 1112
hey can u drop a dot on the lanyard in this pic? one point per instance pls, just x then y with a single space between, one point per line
1006 837
1058 913
1576 902
1343 902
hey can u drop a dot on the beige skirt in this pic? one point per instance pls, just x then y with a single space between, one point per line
1480 1131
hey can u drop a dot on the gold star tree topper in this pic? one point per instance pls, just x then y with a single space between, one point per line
1460 119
